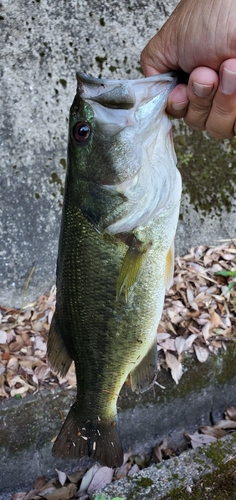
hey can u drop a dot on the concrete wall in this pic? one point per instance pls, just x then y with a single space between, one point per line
43 43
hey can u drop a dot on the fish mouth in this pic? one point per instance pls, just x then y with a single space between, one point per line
83 77
122 94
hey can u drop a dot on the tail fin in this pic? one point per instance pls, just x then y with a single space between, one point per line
98 440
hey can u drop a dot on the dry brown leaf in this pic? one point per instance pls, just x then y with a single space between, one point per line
88 478
134 470
168 344
122 471
42 372
40 482
212 431
206 330
19 496
215 318
61 477
3 392
230 413
180 344
175 366
201 352
3 337
200 439
76 476
64 493
101 478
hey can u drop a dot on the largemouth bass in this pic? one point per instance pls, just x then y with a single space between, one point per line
115 258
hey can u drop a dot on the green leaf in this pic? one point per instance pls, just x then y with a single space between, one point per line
226 273
230 287
18 396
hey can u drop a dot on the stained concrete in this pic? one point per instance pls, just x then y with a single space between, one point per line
43 43
28 426
190 476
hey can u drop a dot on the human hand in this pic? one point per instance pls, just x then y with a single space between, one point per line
205 50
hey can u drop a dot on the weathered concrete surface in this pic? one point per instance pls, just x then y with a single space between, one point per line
28 426
187 477
43 43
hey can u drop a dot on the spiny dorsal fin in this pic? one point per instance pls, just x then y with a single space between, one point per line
131 266
143 376
169 271
58 356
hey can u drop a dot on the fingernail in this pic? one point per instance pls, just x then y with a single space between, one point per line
179 106
228 81
202 90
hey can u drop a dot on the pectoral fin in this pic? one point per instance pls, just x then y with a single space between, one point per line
58 356
131 266
169 271
143 376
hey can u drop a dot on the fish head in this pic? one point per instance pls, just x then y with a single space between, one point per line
116 129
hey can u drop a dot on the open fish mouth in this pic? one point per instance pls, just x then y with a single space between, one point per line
133 112
124 94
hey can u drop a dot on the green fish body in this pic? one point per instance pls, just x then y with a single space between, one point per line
115 258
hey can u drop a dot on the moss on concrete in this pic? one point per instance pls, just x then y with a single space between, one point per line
207 166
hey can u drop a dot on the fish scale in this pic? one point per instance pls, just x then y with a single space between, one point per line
112 270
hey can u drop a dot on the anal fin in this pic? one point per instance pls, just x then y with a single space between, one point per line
58 356
143 376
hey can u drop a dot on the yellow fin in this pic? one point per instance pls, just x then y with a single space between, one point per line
169 271
131 266
144 375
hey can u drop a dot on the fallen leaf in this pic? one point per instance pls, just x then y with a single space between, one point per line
230 413
19 496
180 344
88 478
200 439
3 337
64 493
175 366
3 392
122 471
40 482
61 477
134 470
201 352
76 476
101 478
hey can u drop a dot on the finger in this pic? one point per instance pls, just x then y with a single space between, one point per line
201 89
177 105
221 120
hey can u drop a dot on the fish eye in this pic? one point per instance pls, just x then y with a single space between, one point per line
81 132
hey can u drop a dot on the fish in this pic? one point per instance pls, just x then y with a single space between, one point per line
115 255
